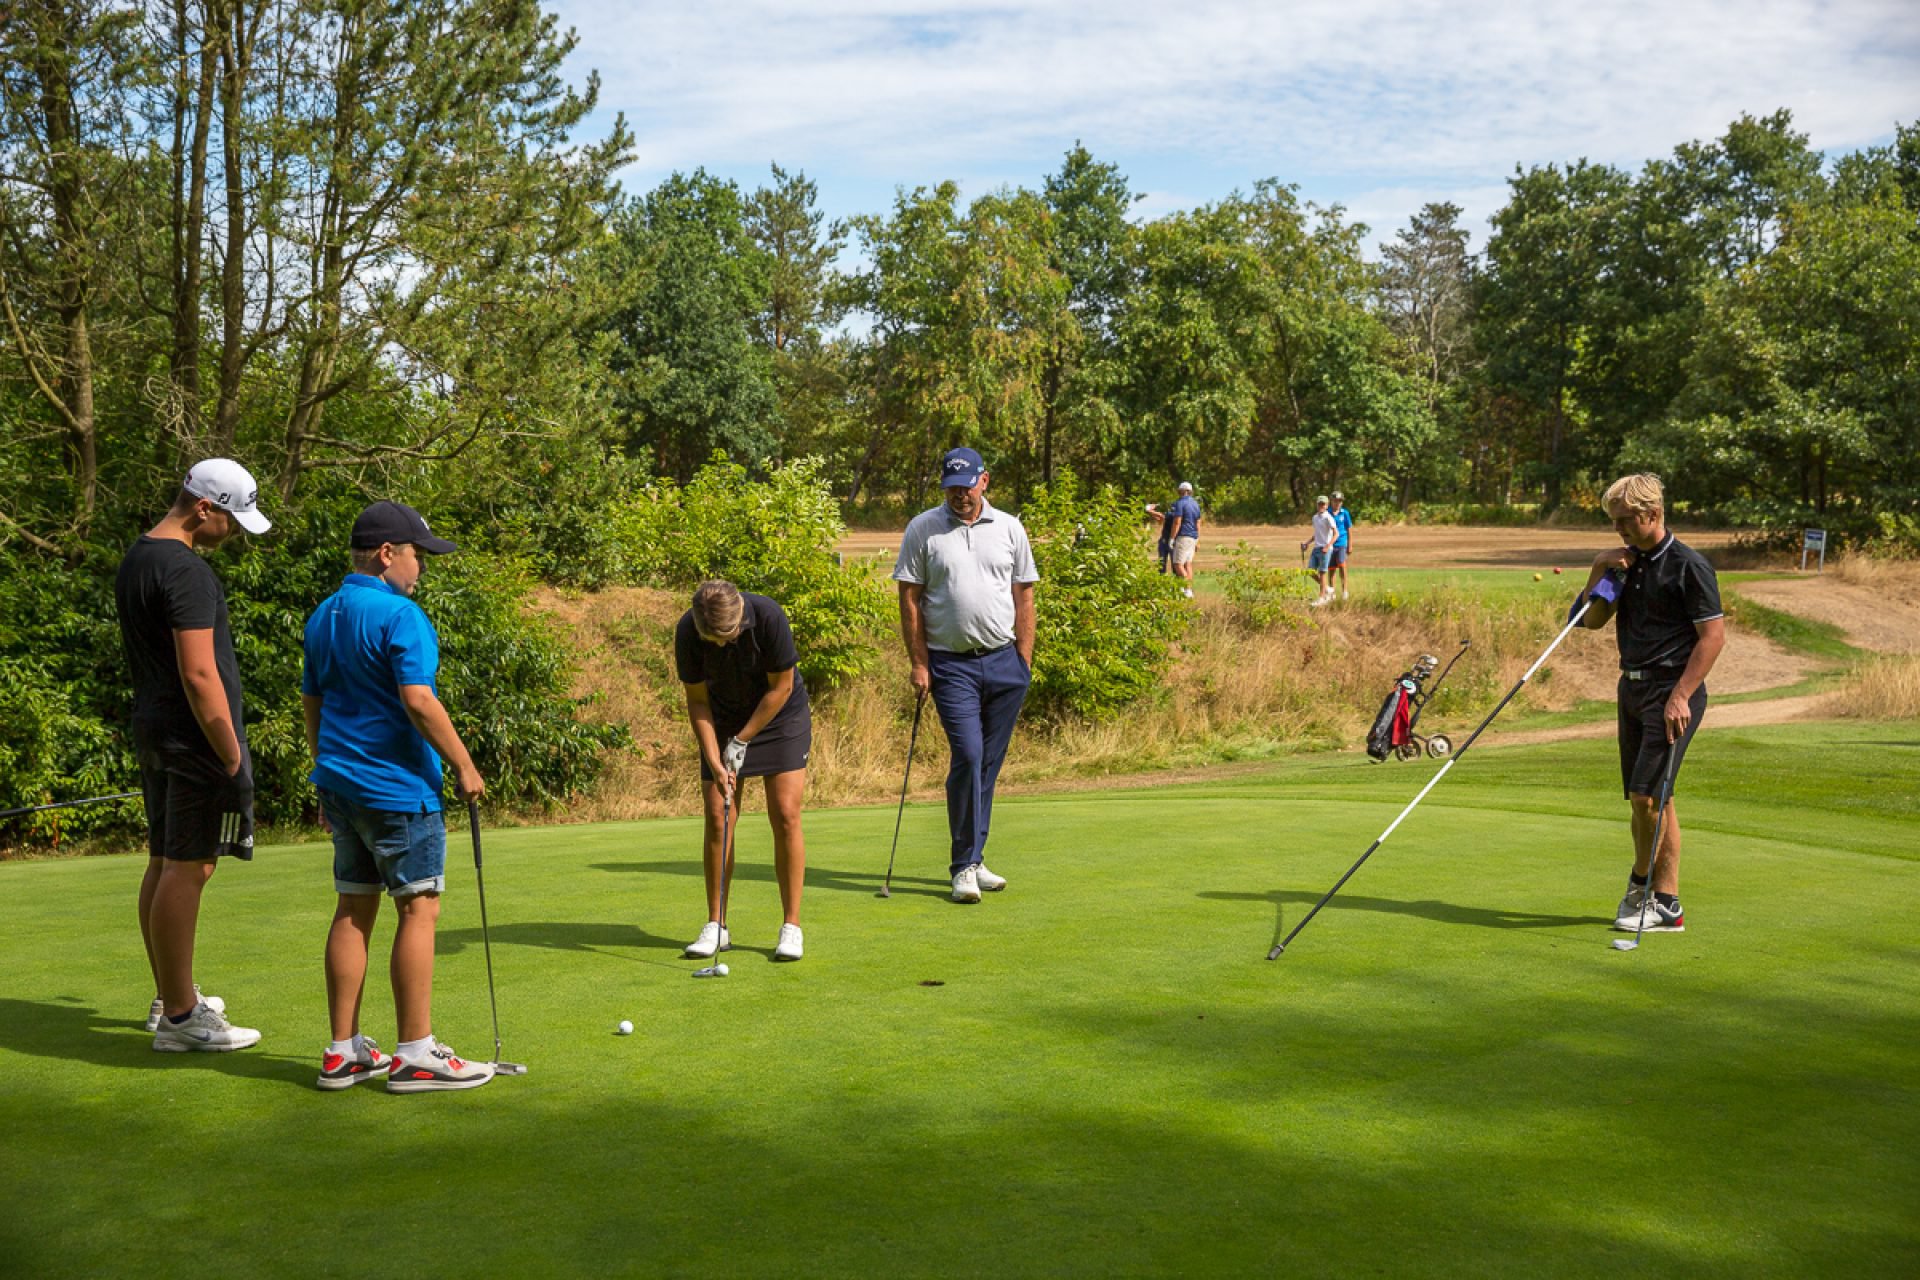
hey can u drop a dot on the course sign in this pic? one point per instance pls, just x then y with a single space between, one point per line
1815 540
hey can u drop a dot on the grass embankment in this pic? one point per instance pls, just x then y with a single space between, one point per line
1448 1073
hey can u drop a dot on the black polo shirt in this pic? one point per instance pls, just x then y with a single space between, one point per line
1669 590
736 674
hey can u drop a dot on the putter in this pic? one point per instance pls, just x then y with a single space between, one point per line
1653 859
67 804
726 878
886 886
1279 948
486 943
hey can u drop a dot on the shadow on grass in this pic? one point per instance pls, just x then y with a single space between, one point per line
817 877
599 937
74 1032
1425 908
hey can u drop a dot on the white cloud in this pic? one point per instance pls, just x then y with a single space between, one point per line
1380 97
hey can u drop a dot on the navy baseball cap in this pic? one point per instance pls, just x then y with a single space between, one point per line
961 467
396 522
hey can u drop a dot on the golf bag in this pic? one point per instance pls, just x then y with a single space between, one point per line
1393 732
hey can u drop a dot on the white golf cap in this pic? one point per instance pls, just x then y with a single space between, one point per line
1186 486
1320 501
230 487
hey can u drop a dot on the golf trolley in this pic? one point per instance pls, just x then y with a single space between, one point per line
1393 729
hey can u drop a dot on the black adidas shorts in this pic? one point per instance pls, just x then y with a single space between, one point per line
1643 733
194 810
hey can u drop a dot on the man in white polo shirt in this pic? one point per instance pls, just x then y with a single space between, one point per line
966 576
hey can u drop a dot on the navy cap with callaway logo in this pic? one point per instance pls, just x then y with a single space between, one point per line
396 522
961 467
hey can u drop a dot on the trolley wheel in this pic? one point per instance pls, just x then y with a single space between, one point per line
1408 750
1439 746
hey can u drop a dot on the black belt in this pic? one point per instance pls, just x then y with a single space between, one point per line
1652 673
981 653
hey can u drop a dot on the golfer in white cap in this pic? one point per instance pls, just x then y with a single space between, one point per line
195 772
1185 515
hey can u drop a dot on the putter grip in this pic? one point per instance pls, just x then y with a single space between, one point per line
473 825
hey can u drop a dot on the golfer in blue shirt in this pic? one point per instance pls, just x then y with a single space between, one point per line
377 733
1337 560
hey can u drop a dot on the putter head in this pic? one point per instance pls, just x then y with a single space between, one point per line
509 1068
884 892
1624 944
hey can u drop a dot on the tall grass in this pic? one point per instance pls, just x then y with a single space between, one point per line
1310 681
1886 687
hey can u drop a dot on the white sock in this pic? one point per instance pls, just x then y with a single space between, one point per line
345 1048
361 1044
412 1049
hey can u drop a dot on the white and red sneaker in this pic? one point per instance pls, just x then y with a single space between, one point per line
344 1070
438 1068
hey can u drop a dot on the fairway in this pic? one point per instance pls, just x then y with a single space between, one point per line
1449 1072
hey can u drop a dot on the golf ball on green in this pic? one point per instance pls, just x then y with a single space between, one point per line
720 969
626 1028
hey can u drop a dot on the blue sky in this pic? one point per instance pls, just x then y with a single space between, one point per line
1379 105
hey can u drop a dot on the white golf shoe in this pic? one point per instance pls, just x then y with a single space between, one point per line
204 1031
159 1007
438 1068
1627 915
988 882
788 948
966 884
712 938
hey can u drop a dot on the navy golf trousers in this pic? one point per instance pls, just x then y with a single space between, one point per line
978 697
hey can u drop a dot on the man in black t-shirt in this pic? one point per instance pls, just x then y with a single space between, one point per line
1670 631
195 772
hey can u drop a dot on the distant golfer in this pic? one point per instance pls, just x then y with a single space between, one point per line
1342 542
966 576
1184 516
1671 630
1166 522
1325 533
735 654
377 733
196 774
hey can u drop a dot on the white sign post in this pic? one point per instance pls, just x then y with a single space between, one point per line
1816 540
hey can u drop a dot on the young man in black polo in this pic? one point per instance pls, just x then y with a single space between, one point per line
195 772
1671 630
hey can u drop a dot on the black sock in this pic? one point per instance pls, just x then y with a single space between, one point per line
178 1018
1637 880
1669 900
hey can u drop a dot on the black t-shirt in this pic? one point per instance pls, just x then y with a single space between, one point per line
164 587
1668 590
736 674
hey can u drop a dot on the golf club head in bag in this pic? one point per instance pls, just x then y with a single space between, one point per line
486 942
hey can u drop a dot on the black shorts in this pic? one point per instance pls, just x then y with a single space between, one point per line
1643 733
780 748
194 810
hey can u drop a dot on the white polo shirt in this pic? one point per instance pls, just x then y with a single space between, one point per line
968 572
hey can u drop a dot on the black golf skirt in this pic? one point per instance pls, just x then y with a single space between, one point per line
780 748
1643 733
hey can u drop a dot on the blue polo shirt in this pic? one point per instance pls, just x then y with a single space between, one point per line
1188 513
363 643
1343 521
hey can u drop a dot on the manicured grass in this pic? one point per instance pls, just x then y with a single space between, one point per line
1448 1073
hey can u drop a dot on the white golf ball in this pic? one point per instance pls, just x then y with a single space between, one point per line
626 1028
720 969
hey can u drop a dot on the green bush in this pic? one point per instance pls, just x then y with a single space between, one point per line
1107 619
53 749
774 537
1263 591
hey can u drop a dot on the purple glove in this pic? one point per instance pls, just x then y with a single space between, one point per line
1608 589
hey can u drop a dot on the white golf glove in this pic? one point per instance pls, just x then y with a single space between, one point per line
733 755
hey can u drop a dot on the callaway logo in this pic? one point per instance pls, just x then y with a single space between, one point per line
957 464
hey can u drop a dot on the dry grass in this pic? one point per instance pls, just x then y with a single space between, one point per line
1886 687
1311 682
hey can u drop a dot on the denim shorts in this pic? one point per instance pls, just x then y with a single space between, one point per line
1318 560
375 849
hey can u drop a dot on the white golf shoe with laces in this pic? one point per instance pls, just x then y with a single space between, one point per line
966 884
712 938
789 947
988 882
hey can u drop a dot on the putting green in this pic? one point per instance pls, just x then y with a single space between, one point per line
1450 1071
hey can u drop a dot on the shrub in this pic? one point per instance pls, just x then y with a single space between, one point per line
1261 590
774 537
1106 618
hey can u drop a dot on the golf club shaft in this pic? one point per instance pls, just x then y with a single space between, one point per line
728 819
67 804
486 941
1653 855
1432 782
919 704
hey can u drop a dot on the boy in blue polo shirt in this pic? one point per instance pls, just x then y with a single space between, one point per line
377 732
